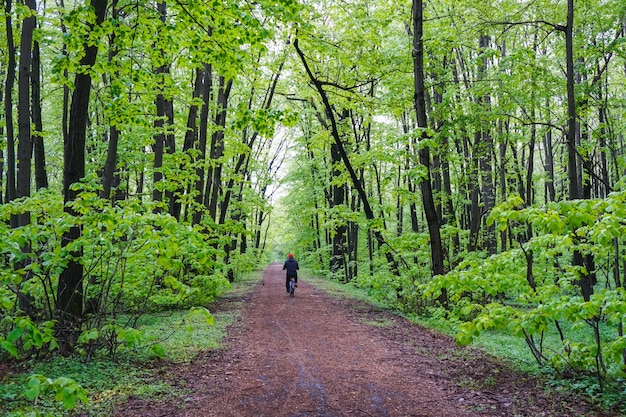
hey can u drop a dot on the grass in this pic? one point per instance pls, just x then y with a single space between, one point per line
181 335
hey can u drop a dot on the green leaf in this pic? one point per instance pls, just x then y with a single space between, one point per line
9 347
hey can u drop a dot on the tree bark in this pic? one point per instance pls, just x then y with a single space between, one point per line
8 108
110 165
214 178
164 140
70 288
430 211
584 280
25 143
207 83
41 176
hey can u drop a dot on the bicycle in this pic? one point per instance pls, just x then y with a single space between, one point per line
292 287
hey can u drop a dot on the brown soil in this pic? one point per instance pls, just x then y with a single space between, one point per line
313 355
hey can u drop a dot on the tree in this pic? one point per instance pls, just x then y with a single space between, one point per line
70 287
424 152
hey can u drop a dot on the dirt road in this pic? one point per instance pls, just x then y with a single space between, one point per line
313 355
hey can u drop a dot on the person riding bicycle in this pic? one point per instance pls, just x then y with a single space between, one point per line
291 265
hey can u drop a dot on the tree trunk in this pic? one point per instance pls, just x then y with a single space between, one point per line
244 158
550 190
25 143
41 176
70 288
202 141
191 140
164 140
430 211
214 178
474 213
8 108
110 165
409 182
584 280
338 193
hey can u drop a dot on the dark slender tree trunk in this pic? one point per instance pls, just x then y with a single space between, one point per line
572 166
70 288
486 156
604 166
584 280
191 140
164 141
338 193
474 194
207 83
244 158
41 176
411 188
502 175
549 166
214 178
8 107
110 165
430 211
25 142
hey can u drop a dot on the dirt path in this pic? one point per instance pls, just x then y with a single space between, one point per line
316 356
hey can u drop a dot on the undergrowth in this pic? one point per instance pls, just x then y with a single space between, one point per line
180 335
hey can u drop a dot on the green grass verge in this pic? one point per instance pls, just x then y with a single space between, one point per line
181 337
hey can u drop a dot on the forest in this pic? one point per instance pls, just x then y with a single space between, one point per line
462 161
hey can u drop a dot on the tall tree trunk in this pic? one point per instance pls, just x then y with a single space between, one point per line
8 107
474 213
572 162
190 143
604 166
338 193
70 288
486 158
207 83
110 165
430 211
164 140
411 188
41 176
25 143
241 166
550 190
502 175
584 280
214 178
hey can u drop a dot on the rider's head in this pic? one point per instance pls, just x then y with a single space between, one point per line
290 256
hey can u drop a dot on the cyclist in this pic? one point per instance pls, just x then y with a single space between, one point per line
291 265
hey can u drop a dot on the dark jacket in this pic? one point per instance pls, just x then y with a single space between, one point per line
291 265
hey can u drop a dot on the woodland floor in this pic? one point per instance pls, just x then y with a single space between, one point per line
313 355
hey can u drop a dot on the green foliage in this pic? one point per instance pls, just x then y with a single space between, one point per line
66 391
135 261
546 309
40 396
27 336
